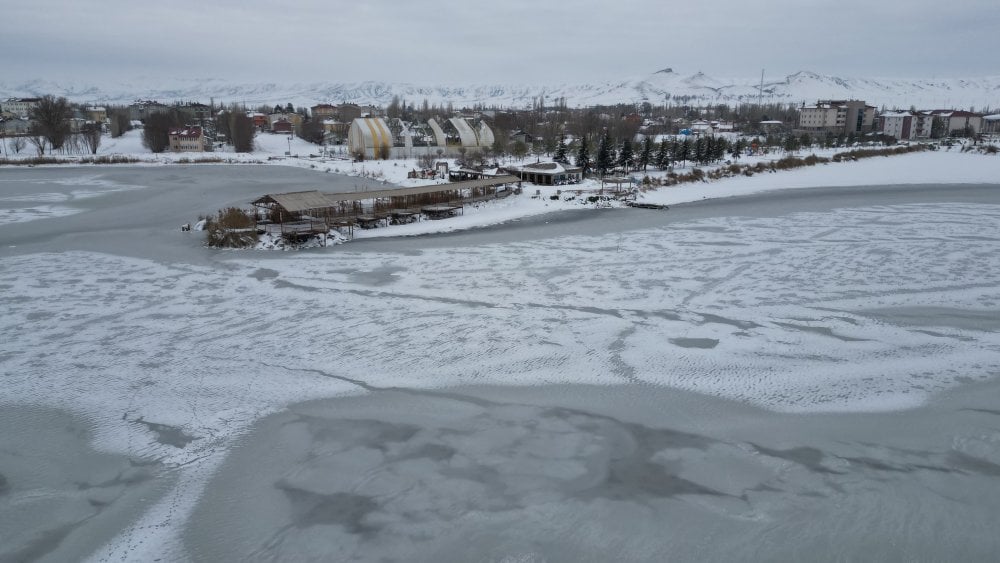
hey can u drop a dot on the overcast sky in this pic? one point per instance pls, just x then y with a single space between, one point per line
513 41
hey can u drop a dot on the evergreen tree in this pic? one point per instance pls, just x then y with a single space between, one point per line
806 140
604 161
560 155
719 148
662 159
937 128
626 157
289 108
646 154
394 109
700 151
737 148
583 155
683 151
791 143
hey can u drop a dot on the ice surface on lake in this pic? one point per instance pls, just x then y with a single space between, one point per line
31 206
788 306
807 312
573 473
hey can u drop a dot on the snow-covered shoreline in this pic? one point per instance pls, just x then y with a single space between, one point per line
944 166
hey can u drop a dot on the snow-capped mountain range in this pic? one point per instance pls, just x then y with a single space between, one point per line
664 86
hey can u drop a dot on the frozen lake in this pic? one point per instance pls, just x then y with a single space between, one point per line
785 376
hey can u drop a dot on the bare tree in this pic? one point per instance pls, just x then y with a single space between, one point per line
426 160
52 117
38 140
91 133
17 144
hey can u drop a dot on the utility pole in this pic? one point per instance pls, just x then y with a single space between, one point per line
760 90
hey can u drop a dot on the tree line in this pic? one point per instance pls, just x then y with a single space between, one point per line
51 130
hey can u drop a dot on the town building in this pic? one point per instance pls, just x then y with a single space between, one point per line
901 125
837 116
991 124
323 111
280 120
97 114
955 121
186 139
195 112
282 126
348 112
141 109
547 173
259 119
19 107
905 125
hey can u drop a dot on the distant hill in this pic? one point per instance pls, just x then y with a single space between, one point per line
657 88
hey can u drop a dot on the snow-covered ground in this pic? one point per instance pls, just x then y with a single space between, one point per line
855 307
940 167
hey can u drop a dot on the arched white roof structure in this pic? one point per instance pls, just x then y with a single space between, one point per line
369 135
469 136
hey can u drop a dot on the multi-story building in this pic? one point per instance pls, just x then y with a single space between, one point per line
186 139
141 109
97 114
323 111
901 125
837 116
955 121
19 107
276 122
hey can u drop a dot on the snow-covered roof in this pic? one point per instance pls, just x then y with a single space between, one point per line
294 202
185 132
545 168
994 117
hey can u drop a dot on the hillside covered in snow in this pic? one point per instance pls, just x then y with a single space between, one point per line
663 86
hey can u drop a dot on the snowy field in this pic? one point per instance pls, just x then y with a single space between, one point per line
835 306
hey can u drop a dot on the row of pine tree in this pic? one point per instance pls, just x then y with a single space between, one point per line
627 157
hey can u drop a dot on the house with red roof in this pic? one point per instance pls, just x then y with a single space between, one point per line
186 139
